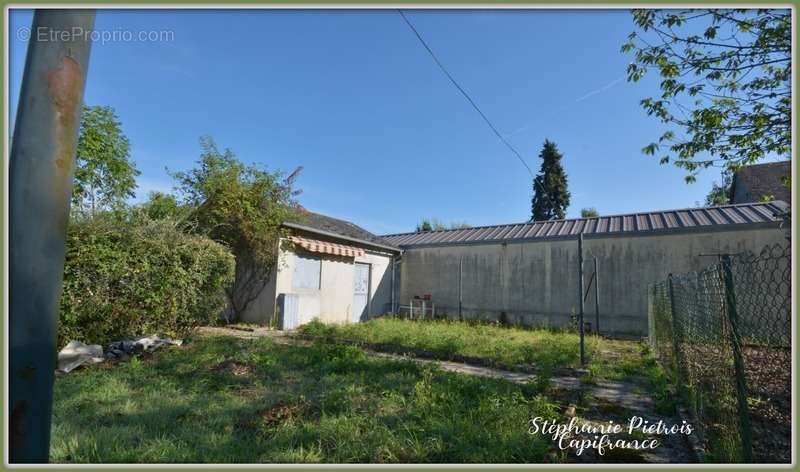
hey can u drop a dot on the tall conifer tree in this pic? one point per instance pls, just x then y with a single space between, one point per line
550 193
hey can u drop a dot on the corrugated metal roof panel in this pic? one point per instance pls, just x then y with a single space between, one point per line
656 222
700 217
614 224
462 235
764 210
554 228
748 214
442 236
505 232
683 219
478 233
641 223
689 218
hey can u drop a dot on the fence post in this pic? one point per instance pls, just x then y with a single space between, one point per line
596 298
738 361
677 333
580 295
460 286
651 319
394 267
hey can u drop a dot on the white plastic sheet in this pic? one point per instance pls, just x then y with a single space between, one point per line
76 353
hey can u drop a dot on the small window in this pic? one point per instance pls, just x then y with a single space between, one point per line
307 269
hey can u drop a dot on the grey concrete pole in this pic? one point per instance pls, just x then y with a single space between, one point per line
40 186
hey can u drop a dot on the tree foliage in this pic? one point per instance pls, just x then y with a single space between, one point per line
460 225
424 226
243 207
105 175
550 193
589 213
164 206
720 192
434 224
725 84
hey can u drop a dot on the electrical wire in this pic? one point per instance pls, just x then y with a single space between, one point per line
463 92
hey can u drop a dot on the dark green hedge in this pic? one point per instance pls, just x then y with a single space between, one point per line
126 278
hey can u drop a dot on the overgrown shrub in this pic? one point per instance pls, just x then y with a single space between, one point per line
136 277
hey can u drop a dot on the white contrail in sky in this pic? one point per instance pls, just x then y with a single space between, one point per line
601 89
579 99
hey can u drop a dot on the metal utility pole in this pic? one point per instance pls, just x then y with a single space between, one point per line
580 295
40 186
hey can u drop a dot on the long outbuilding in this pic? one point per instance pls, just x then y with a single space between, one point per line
528 273
523 274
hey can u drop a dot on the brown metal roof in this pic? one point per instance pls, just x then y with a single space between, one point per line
709 218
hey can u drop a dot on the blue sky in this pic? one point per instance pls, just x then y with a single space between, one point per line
383 136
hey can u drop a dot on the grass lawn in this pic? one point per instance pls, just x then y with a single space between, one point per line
222 399
508 346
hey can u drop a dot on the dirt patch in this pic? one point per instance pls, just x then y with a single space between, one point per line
282 412
769 383
273 416
235 368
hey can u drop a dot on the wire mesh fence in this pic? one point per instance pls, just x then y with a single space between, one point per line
724 336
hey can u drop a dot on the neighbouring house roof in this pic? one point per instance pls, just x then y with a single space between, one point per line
334 227
689 219
752 183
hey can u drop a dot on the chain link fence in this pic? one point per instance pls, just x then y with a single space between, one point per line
723 334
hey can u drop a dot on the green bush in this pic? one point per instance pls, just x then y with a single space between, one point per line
134 277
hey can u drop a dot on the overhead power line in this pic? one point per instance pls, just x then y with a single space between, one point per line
466 95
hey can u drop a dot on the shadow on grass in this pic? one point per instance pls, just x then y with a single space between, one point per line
323 403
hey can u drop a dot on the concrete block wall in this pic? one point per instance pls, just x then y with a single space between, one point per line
535 283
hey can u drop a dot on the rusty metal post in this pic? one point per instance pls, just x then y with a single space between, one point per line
40 186
581 296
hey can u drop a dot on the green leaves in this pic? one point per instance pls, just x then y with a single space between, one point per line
105 175
650 149
243 207
125 278
735 74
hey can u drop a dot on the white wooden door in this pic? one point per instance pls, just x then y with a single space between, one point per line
360 292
